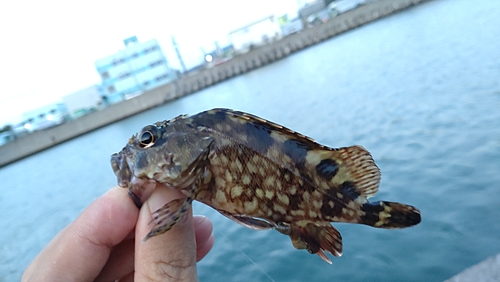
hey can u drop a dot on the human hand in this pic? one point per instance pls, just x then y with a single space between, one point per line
102 245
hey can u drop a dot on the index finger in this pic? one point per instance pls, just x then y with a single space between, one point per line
170 256
80 250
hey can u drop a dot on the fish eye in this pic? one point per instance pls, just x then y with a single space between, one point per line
147 139
148 136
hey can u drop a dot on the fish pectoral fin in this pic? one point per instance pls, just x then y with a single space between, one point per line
167 216
315 238
249 222
197 164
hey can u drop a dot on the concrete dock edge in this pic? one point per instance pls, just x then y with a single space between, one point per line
485 271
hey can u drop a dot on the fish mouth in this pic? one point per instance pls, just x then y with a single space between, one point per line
138 189
121 169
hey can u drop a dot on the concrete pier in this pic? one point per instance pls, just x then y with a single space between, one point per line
261 56
485 271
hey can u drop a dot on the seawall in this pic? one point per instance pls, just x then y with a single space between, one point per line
486 271
261 56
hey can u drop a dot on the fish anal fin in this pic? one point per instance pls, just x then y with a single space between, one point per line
249 222
315 238
323 256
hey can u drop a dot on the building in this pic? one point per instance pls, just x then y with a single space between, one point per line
311 8
133 70
342 6
320 11
45 117
255 34
84 101
290 26
218 56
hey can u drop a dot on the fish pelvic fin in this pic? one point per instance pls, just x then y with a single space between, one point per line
389 215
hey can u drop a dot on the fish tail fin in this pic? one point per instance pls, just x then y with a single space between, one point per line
389 215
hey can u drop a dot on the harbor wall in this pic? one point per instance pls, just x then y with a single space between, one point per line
41 140
486 271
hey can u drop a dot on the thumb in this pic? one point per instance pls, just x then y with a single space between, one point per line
166 257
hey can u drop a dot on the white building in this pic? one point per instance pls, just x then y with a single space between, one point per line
254 34
291 27
137 68
84 101
45 117
311 8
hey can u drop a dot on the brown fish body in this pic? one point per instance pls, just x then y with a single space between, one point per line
261 175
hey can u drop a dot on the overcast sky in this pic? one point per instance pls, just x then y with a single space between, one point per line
48 48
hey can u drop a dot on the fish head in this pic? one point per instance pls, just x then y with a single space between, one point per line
165 152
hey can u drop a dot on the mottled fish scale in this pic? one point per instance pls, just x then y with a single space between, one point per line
299 156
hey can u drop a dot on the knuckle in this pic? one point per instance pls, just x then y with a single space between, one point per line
176 266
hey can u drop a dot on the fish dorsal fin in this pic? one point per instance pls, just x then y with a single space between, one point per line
350 170
290 134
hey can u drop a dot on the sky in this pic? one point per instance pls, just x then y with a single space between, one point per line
48 48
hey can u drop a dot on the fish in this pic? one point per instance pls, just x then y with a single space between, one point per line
259 174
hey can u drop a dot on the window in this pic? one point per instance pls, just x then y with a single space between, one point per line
150 49
161 77
105 75
156 63
111 89
125 75
117 61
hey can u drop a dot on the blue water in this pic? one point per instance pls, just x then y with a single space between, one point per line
420 90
